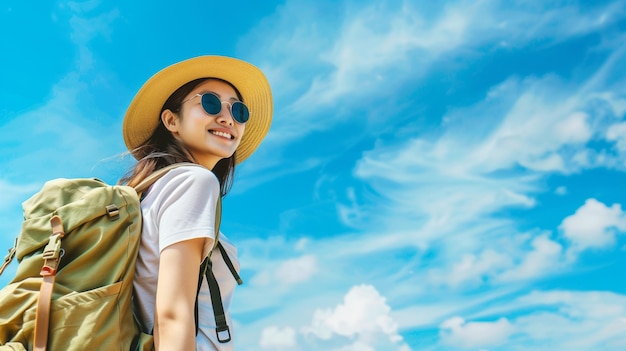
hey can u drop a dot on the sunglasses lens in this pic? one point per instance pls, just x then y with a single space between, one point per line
240 112
211 104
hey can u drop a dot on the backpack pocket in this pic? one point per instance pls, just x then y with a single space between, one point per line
81 319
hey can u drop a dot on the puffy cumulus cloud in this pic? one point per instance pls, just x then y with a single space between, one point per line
594 225
276 338
364 315
471 335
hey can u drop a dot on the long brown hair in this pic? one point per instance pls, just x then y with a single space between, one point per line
162 149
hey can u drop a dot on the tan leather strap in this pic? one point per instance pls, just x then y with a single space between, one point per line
51 257
218 221
9 257
156 175
43 313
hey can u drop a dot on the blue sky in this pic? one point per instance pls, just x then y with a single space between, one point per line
438 176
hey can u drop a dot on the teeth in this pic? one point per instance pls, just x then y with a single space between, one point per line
222 134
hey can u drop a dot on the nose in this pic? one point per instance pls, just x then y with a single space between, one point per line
225 116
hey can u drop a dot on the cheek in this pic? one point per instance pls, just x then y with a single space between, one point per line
241 130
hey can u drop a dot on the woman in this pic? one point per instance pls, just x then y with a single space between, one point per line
212 111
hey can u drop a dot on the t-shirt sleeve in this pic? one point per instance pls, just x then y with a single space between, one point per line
185 204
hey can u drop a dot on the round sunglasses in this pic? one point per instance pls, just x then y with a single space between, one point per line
212 105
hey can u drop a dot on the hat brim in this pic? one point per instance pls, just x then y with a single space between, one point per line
143 115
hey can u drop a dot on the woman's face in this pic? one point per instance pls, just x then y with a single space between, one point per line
209 138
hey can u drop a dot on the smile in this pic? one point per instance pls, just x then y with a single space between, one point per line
222 134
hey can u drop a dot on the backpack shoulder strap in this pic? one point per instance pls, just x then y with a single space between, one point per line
156 175
206 263
229 263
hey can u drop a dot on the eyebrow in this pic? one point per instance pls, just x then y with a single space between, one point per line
218 95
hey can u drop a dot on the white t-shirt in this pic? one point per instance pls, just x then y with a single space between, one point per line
178 207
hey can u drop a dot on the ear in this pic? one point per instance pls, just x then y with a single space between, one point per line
170 121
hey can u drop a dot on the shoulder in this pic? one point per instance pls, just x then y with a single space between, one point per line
193 173
187 178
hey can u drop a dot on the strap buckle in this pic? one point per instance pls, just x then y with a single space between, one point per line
53 249
219 331
112 211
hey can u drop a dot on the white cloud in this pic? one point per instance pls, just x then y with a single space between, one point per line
616 102
288 272
470 335
59 122
356 346
594 225
485 159
297 270
472 268
508 259
573 320
276 338
302 244
456 173
85 29
13 194
364 315
411 37
536 130
401 42
544 258
562 190
574 128
617 134
83 6
544 321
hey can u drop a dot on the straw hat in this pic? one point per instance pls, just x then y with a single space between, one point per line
143 114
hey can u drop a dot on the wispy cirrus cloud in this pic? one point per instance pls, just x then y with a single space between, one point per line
545 320
458 333
490 156
361 48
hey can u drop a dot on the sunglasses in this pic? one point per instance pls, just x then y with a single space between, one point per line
212 105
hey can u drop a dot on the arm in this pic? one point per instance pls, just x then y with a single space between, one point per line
174 324
185 215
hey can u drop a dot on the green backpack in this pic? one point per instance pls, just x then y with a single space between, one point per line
76 251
